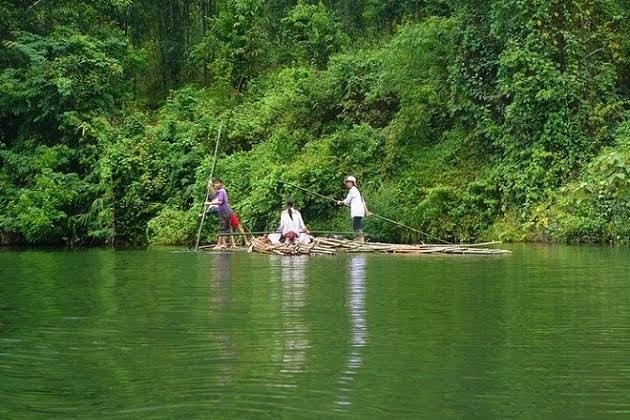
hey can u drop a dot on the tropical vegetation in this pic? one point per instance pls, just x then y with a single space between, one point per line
469 120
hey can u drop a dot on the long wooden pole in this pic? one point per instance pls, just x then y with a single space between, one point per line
373 214
267 232
205 208
410 228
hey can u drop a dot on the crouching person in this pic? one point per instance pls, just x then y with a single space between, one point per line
292 225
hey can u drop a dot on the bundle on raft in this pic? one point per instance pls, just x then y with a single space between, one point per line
331 246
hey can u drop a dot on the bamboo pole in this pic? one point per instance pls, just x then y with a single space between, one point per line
331 246
378 216
205 208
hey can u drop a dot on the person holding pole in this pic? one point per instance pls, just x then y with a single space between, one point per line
205 206
209 206
358 209
221 201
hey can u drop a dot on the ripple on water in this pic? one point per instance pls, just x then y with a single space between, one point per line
542 333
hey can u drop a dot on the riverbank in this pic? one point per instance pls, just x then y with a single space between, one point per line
454 119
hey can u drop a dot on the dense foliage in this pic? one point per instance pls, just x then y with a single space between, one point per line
468 120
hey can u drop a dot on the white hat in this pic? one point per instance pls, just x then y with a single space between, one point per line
351 179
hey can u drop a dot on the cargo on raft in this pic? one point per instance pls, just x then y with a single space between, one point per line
333 246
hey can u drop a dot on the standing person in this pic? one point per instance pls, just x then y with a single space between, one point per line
223 210
292 224
358 209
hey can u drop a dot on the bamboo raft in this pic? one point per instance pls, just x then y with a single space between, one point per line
332 246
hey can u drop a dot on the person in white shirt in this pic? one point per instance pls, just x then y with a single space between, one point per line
358 209
292 225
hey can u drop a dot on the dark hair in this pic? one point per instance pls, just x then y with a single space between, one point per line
290 203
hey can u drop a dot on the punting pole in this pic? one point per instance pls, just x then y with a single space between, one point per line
373 214
205 209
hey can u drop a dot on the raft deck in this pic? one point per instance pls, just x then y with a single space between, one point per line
330 246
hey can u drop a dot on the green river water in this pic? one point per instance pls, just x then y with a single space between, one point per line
164 333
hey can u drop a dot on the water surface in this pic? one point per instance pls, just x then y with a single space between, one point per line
164 333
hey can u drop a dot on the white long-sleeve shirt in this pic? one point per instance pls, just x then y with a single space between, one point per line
355 201
287 224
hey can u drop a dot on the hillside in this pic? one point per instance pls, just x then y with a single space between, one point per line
467 120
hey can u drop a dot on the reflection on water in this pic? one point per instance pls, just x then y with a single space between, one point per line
356 292
100 334
294 329
223 343
220 279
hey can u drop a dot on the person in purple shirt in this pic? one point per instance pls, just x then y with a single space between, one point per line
222 203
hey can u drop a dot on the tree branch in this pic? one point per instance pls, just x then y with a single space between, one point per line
33 5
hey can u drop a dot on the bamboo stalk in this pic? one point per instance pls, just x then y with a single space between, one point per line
332 246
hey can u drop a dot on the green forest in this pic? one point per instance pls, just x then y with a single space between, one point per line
469 120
